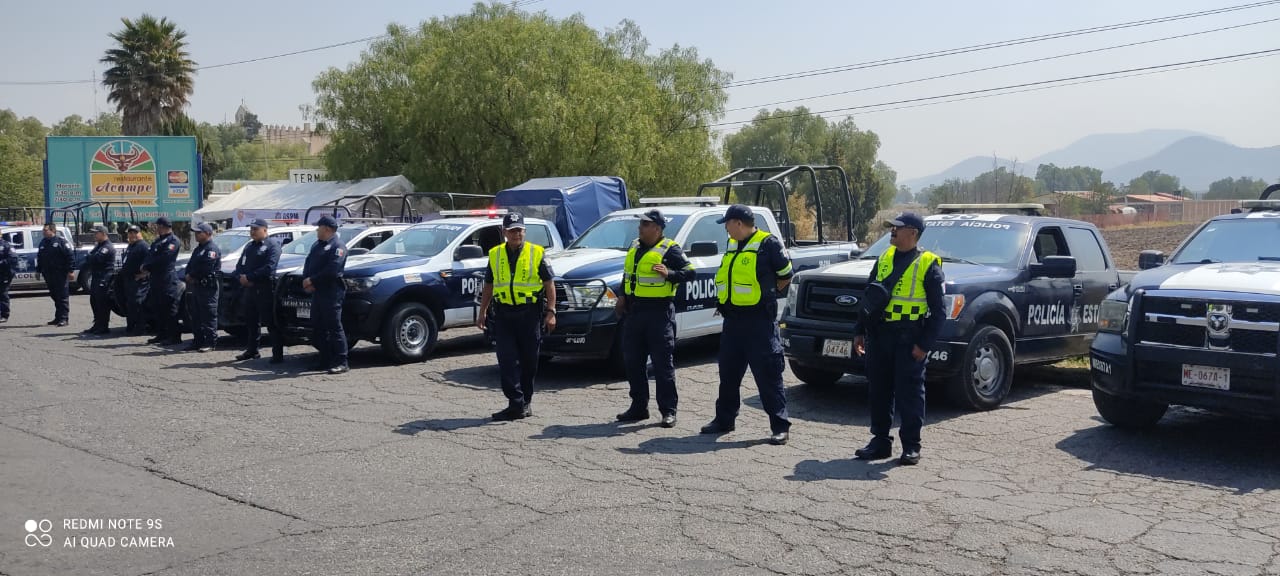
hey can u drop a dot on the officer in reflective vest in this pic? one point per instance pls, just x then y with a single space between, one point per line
520 283
100 265
896 345
202 290
753 272
654 268
54 261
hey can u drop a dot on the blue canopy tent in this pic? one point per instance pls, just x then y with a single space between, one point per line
574 203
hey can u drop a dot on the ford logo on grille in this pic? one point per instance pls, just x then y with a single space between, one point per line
846 300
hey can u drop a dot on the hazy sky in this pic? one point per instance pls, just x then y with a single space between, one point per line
63 40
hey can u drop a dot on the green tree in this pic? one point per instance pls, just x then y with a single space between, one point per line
1155 181
1051 178
996 186
106 124
486 100
785 137
904 195
21 152
265 161
1243 188
150 75
1104 195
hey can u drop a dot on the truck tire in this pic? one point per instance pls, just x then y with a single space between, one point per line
814 376
1131 413
986 374
409 333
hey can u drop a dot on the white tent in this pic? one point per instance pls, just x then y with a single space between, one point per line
290 201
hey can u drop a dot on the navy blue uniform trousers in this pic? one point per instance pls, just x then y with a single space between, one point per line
327 334
202 303
895 379
519 336
751 339
100 301
59 291
259 309
649 331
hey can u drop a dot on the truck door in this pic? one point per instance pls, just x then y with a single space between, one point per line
466 276
1095 278
696 300
1047 302
24 246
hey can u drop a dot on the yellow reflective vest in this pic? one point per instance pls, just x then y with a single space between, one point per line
523 286
907 300
646 282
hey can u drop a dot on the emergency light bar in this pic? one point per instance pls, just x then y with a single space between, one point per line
1260 204
15 223
695 200
490 212
1029 209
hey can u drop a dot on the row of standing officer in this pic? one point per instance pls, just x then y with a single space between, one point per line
152 294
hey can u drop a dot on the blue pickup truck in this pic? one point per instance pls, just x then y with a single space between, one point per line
26 237
1200 328
1021 289
420 281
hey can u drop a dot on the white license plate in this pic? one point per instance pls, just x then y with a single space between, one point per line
304 312
1206 377
25 276
837 348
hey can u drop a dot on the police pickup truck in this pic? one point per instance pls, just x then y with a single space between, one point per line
25 238
1202 329
359 237
420 281
1020 289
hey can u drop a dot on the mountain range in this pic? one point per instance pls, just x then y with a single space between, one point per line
1196 158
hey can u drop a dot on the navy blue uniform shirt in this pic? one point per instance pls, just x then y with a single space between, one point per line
205 261
102 259
325 262
258 261
161 258
134 256
8 258
54 256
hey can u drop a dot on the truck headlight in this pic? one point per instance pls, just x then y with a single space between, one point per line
584 297
1112 315
954 304
792 294
361 284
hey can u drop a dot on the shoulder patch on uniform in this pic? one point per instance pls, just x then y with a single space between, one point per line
173 247
340 251
213 255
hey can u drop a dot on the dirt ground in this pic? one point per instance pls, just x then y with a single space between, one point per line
1127 242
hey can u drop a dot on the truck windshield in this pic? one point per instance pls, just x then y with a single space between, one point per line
987 243
426 241
1235 240
231 240
302 246
619 232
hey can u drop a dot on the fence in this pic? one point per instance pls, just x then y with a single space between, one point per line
1188 211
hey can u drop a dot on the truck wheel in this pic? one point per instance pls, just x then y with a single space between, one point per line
1130 413
814 376
987 372
409 333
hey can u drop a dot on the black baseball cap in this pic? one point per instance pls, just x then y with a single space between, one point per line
162 221
328 221
204 228
654 216
133 228
906 220
258 223
513 220
737 212
100 228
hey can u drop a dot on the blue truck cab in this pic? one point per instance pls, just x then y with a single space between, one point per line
422 280
25 238
1200 328
1021 289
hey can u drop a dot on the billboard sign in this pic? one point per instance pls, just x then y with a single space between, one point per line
157 175
307 175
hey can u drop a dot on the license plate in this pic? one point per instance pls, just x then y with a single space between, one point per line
1206 377
304 312
25 276
837 348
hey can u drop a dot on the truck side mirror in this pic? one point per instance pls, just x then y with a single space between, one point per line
357 251
1054 267
468 252
1148 259
703 249
856 252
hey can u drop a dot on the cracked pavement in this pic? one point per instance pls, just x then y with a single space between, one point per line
397 470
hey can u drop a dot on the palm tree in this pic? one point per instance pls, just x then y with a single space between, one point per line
151 76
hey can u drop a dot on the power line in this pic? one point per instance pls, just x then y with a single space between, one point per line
980 47
1100 75
997 67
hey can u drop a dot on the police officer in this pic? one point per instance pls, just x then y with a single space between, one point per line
896 344
754 271
8 261
54 261
256 274
134 283
654 268
519 279
202 290
163 288
322 277
100 264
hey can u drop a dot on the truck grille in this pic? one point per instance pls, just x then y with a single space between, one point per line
293 299
1249 327
818 301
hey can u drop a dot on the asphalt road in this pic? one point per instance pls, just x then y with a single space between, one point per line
235 468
